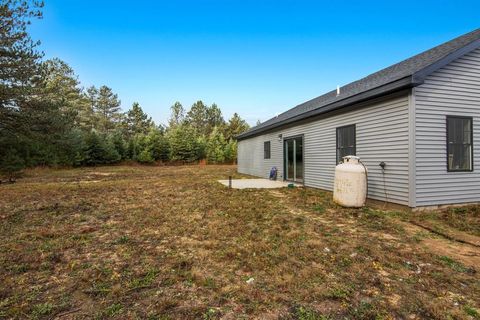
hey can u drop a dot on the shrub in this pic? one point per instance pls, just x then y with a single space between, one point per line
145 157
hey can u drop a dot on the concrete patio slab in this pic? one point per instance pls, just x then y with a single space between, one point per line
256 183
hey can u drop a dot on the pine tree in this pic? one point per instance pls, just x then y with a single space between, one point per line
201 147
183 143
120 145
139 143
137 121
157 144
216 147
61 86
77 147
177 115
91 117
19 61
94 150
11 165
231 151
214 119
106 107
19 73
45 128
145 156
197 117
99 149
235 126
111 154
131 150
151 147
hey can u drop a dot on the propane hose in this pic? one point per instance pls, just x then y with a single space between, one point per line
366 178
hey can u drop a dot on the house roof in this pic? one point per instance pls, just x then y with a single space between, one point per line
405 74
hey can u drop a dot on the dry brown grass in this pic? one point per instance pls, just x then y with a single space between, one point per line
172 243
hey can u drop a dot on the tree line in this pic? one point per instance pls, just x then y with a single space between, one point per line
48 118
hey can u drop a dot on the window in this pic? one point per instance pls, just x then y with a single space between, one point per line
266 150
346 145
459 143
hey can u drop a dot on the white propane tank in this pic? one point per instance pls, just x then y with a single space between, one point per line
350 186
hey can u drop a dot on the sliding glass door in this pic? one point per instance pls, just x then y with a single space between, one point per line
293 159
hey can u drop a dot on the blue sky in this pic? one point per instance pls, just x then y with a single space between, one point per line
257 58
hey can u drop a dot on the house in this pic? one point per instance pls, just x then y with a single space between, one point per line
420 117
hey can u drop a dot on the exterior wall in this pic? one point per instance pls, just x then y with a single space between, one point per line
452 90
250 156
382 134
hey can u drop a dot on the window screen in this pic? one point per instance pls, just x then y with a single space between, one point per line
345 142
459 144
266 150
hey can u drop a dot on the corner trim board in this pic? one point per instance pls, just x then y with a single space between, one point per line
412 181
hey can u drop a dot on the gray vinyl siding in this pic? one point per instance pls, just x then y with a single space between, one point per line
452 90
251 158
382 133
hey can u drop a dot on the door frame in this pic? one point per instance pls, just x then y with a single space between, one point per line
284 157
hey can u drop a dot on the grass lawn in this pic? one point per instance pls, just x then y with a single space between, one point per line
136 242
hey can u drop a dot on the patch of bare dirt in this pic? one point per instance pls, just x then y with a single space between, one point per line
450 233
296 210
96 173
385 236
465 253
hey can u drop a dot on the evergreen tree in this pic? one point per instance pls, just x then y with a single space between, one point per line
137 121
77 147
139 143
231 151
235 126
177 115
61 86
91 117
183 143
45 128
106 107
216 147
120 144
11 165
99 149
94 150
111 154
157 144
19 74
151 147
145 156
201 147
214 119
197 117
131 150
19 61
